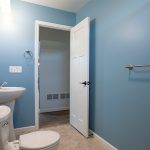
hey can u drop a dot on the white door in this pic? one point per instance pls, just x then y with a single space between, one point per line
79 77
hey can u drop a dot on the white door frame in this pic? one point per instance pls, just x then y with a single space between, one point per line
39 24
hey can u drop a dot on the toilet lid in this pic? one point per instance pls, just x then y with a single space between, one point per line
39 139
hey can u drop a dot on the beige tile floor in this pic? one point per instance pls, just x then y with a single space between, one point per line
71 139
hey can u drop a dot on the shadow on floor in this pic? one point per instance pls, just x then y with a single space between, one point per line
51 119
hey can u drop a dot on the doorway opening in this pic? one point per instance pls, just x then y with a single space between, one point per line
54 76
52 73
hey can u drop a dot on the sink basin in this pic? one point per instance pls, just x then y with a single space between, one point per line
8 94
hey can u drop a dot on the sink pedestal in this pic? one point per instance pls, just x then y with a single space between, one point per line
8 96
12 135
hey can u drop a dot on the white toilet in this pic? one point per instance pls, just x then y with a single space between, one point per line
39 140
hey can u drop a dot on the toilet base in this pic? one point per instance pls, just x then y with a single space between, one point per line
48 148
14 145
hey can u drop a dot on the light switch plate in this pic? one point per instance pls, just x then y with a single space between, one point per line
15 69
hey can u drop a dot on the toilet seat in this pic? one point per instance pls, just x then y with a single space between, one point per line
39 140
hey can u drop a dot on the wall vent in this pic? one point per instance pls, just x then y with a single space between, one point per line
49 96
52 96
62 96
55 96
67 95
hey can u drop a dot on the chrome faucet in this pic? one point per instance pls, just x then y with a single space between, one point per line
3 84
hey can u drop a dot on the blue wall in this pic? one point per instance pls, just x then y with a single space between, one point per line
14 41
120 33
119 100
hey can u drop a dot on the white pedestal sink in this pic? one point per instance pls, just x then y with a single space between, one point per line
8 96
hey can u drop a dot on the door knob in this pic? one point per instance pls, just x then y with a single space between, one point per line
85 83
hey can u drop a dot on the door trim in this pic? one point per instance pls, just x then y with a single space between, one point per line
39 24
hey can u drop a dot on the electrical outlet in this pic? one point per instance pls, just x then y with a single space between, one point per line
15 69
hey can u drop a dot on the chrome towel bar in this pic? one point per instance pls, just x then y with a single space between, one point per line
131 67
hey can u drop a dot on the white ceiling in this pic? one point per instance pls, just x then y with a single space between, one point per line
68 5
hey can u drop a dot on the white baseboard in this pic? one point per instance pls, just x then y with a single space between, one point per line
20 131
106 144
43 110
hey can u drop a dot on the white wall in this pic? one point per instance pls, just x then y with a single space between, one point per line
54 69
